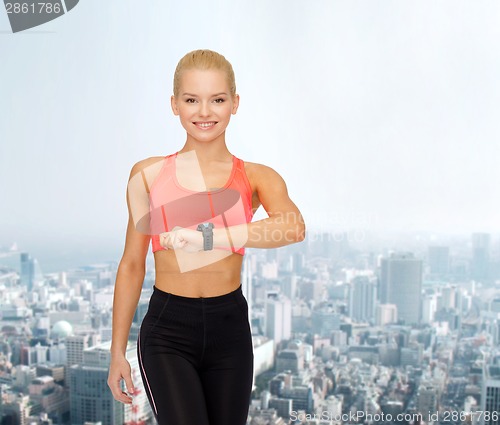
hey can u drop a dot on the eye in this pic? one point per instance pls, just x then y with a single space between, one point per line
190 100
219 100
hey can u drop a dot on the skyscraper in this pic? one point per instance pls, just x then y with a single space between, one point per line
429 307
77 344
385 314
278 317
490 397
480 256
91 399
439 260
449 297
362 298
27 271
401 284
427 400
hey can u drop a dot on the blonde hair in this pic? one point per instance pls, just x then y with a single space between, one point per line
203 59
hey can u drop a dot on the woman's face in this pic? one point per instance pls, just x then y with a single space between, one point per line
204 103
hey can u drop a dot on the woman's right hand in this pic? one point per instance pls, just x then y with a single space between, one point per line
182 238
119 369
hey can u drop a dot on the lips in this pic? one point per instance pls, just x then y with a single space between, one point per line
205 125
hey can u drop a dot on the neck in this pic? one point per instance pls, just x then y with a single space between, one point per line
207 151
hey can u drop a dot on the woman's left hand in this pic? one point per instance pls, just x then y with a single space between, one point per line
181 238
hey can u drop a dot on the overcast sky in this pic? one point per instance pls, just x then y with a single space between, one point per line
381 115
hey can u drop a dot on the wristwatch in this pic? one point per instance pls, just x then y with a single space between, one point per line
208 235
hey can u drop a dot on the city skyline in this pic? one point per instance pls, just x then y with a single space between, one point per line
382 119
332 332
58 258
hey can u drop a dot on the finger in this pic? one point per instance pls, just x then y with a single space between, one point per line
129 384
165 240
124 398
161 237
117 392
176 241
184 243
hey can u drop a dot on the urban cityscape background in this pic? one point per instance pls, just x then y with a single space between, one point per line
397 334
382 118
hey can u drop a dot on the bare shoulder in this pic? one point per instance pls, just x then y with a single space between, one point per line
146 163
271 189
259 174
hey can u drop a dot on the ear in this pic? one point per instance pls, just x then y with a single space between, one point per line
236 103
173 104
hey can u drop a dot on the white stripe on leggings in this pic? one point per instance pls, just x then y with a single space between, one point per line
142 367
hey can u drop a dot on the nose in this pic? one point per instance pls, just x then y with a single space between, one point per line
204 110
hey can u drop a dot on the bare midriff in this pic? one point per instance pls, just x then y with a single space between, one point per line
217 278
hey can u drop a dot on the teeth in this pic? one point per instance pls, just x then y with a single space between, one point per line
206 124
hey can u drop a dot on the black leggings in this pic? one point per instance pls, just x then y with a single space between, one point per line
196 358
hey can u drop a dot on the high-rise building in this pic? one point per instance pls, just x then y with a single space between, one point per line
385 314
439 260
27 271
429 307
289 286
16 407
362 298
91 399
298 262
427 400
289 359
301 396
278 317
76 344
401 284
311 290
283 406
50 396
490 396
495 305
449 297
480 256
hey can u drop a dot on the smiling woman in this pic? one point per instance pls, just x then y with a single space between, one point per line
206 105
196 206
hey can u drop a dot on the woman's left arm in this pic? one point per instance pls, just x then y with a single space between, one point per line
284 226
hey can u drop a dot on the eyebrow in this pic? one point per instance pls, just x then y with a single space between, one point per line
194 95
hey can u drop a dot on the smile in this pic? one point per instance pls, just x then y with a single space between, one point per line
205 125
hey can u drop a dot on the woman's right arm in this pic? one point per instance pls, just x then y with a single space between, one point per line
127 291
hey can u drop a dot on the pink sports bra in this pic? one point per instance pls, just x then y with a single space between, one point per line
172 205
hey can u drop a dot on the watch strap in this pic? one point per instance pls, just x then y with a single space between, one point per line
206 230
